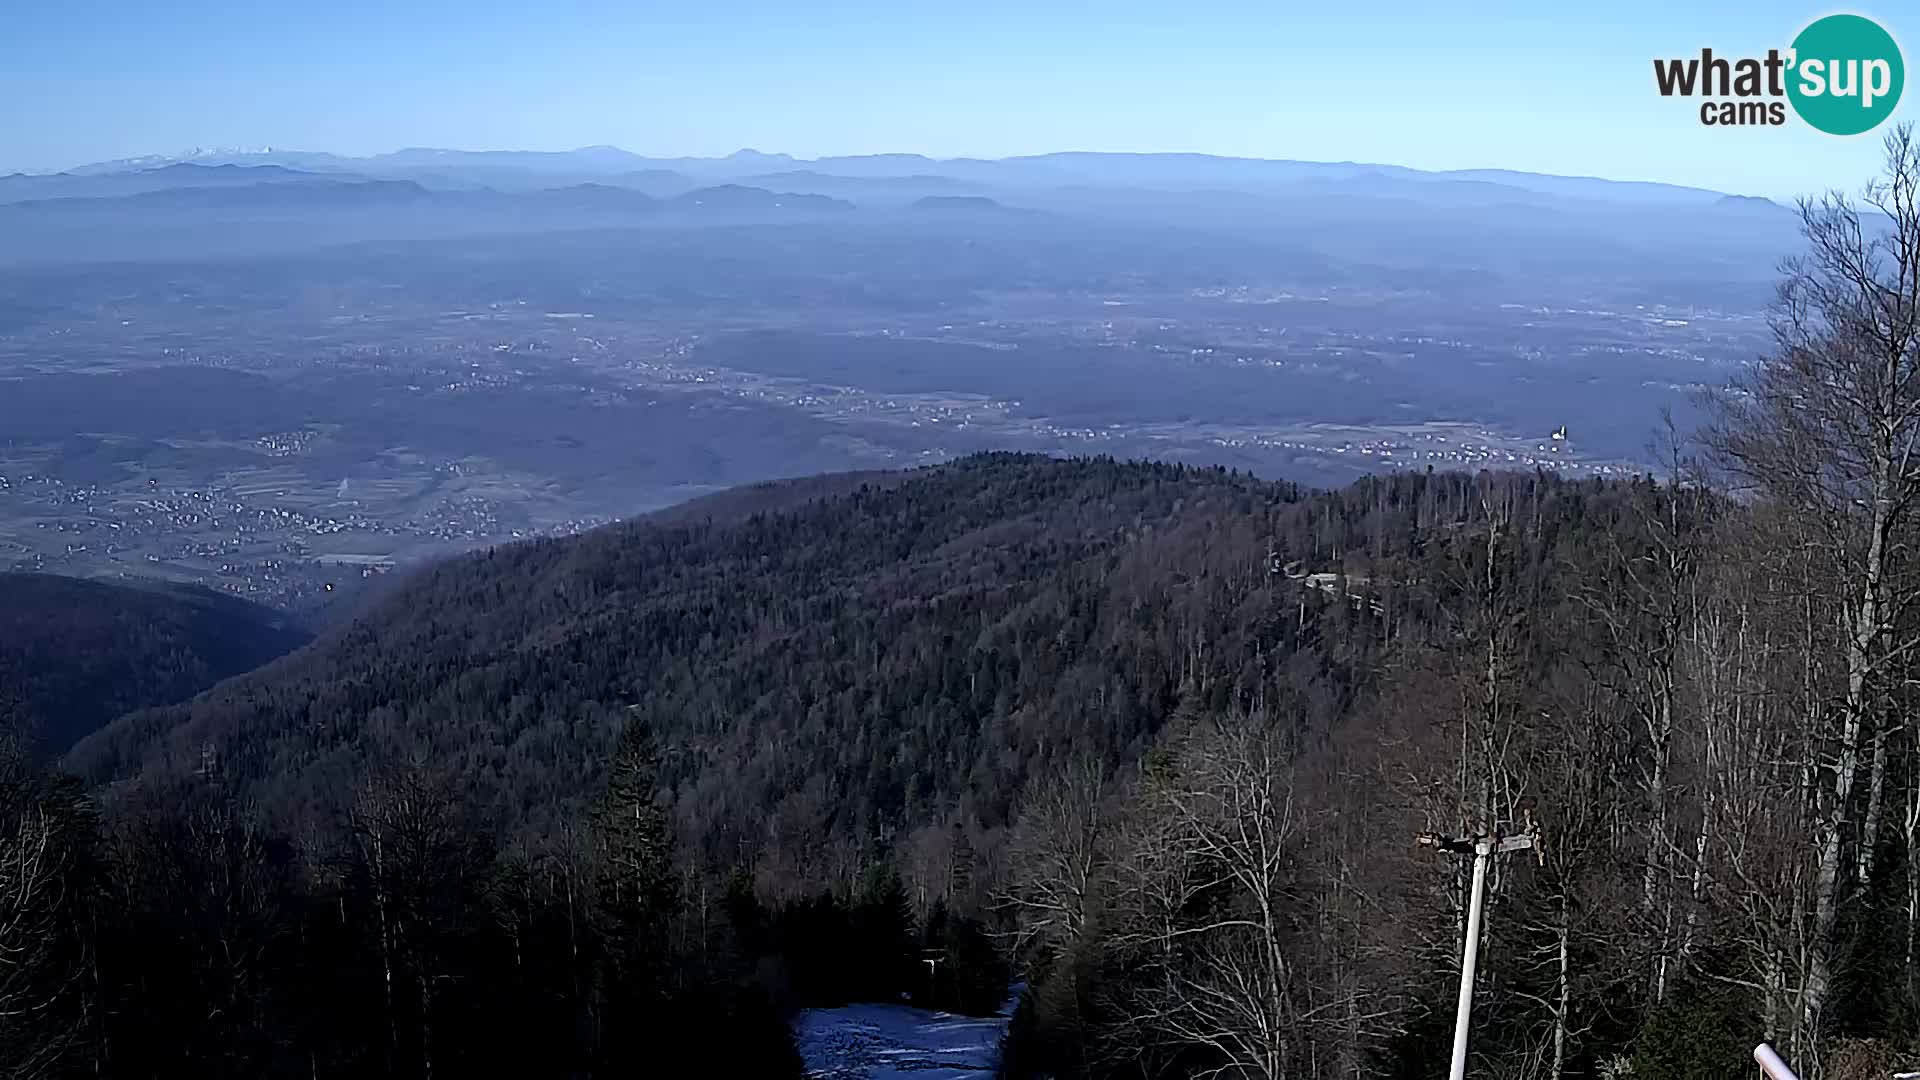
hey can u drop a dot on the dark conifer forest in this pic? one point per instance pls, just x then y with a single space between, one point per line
75 653
583 800
1151 744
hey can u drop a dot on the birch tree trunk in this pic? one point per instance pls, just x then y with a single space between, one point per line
1829 433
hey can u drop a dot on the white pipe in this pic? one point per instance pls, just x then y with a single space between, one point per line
1771 1064
1469 958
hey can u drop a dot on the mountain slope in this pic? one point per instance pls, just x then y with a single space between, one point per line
76 653
845 661
830 667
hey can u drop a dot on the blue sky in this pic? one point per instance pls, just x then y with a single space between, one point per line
1543 86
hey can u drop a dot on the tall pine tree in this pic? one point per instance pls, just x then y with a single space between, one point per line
634 896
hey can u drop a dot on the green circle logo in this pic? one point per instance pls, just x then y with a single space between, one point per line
1847 74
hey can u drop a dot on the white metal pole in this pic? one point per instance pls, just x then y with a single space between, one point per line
1771 1064
1469 957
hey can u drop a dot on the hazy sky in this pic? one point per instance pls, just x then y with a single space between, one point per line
1543 85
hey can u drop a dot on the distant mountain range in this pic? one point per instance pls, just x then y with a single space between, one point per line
1385 218
230 187
898 177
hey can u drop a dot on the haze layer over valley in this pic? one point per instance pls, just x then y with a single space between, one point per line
276 373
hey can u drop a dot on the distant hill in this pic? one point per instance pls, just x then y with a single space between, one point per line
799 177
21 187
601 157
881 188
296 194
656 182
594 197
75 653
189 174
1747 202
742 197
976 204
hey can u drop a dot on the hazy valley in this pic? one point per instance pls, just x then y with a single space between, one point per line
278 373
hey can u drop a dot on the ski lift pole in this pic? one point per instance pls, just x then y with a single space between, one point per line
1469 959
1483 848
1771 1063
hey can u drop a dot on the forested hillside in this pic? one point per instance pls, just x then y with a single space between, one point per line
897 674
826 675
1035 690
76 653
1157 742
1005 709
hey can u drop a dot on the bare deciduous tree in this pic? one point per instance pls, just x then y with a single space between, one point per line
1828 429
1212 890
1054 857
33 880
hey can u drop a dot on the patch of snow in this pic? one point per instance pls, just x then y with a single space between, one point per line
899 1042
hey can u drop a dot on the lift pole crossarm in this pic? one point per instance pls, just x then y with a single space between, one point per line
1483 848
1457 845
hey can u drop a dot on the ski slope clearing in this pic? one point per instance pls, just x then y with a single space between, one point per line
898 1042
